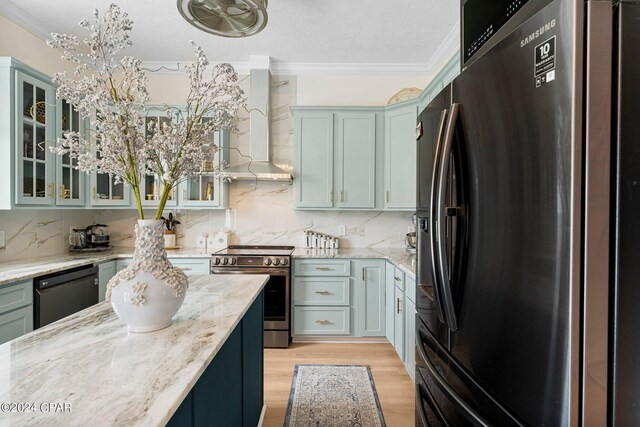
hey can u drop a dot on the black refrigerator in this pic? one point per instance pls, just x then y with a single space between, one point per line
528 273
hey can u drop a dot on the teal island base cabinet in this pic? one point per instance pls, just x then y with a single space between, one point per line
230 390
16 310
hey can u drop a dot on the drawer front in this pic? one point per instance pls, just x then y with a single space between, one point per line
410 288
321 291
192 266
321 321
16 323
322 267
398 278
16 296
122 263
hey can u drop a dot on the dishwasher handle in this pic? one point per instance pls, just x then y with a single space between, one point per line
56 279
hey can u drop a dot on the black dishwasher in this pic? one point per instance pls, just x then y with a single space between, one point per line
61 294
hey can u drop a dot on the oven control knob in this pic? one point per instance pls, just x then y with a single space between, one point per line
276 261
267 261
225 261
216 261
233 261
285 261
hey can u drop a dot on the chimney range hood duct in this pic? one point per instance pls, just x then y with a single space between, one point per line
260 130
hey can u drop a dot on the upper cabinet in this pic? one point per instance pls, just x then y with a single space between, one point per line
209 190
313 159
400 156
35 133
70 185
355 160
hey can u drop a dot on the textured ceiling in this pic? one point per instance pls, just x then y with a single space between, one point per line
299 31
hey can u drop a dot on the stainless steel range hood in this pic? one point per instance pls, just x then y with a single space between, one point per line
260 132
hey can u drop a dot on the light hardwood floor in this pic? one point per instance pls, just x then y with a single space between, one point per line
393 384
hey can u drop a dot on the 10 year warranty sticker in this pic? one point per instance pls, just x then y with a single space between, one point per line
545 62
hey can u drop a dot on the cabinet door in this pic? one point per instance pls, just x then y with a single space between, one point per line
35 132
313 160
16 323
399 322
400 158
371 284
410 337
106 271
355 162
390 296
151 188
207 190
106 192
70 188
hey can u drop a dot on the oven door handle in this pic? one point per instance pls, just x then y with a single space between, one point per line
278 272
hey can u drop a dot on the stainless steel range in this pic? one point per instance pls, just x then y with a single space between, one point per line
274 261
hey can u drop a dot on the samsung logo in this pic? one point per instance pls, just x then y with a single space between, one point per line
538 33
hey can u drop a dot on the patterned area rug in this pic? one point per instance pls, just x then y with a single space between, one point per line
333 396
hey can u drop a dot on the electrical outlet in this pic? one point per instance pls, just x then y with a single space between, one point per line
2 240
342 230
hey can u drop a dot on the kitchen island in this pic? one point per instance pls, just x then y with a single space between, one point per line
87 370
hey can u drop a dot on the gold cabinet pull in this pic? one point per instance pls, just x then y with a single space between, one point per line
342 196
95 193
323 268
323 292
387 196
323 322
51 190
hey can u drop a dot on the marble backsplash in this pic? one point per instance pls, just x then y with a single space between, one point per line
33 234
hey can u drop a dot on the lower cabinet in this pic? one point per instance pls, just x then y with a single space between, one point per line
16 310
410 337
106 271
190 266
230 390
398 314
339 297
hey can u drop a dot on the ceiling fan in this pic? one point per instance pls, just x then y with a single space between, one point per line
226 18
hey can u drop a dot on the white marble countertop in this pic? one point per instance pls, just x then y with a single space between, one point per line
110 377
15 271
399 256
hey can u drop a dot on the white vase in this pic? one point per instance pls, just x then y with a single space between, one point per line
149 291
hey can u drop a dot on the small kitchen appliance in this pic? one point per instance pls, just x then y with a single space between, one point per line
92 238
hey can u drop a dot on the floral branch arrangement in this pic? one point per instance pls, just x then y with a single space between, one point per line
110 90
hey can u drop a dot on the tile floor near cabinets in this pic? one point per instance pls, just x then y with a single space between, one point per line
395 388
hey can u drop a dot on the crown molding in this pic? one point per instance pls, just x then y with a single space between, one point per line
23 19
450 46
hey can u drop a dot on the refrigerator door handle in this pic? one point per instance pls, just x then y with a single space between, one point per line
424 396
432 218
444 386
441 214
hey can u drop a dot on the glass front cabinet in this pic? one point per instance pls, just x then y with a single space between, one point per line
35 133
207 189
151 188
70 186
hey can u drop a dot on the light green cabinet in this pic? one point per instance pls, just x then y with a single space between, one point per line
106 271
70 182
16 310
410 337
335 157
208 190
389 301
398 314
338 297
313 160
190 266
400 157
355 160
371 307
